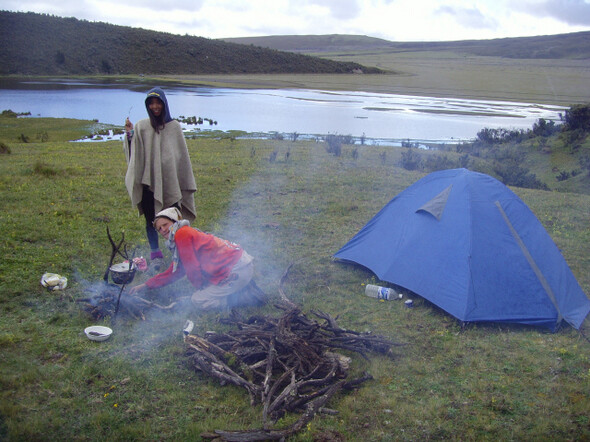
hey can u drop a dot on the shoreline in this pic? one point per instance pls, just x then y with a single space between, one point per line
557 85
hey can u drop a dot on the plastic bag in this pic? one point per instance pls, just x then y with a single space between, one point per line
53 281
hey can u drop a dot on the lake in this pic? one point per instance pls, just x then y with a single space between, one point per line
379 117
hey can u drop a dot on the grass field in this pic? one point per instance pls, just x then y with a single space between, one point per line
484 382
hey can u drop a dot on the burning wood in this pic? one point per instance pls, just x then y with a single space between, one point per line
286 364
103 300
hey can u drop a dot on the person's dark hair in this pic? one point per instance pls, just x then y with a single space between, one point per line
157 122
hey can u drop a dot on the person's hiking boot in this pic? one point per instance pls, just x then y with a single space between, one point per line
249 296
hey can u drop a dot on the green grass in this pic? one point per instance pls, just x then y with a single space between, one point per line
483 382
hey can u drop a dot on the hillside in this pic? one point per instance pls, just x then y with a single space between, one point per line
316 43
562 46
39 44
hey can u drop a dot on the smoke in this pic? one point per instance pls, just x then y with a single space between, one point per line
267 216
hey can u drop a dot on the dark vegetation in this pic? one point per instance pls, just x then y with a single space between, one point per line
567 46
511 155
505 150
40 44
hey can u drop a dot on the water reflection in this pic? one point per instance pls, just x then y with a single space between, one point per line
308 112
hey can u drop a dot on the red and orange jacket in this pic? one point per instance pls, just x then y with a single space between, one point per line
204 259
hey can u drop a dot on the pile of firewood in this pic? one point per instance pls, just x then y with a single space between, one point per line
287 364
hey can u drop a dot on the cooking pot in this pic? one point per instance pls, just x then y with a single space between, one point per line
122 273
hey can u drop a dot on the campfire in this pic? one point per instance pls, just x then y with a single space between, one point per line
105 300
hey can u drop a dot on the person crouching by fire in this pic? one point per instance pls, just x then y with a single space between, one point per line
217 268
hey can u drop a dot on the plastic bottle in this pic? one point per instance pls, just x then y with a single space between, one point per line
376 291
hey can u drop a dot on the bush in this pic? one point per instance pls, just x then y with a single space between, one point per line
438 162
585 163
334 143
563 175
512 174
545 128
9 113
411 160
577 117
44 169
501 135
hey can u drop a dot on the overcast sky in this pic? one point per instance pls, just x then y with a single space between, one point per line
395 20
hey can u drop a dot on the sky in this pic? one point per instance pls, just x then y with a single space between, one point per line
394 20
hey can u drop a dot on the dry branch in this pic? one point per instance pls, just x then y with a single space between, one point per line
287 364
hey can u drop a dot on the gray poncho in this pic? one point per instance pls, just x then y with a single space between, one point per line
161 162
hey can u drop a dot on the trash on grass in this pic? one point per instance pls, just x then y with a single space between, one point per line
53 281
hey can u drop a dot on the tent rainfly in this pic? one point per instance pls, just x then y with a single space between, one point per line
467 243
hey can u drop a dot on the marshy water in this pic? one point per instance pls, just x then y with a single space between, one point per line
381 118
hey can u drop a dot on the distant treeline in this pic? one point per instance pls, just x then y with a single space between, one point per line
40 44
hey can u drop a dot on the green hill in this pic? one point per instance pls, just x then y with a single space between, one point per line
562 46
39 44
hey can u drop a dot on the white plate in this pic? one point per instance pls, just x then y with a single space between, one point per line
98 333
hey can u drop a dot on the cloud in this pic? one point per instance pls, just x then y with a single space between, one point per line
572 12
468 17
397 20
338 9
164 5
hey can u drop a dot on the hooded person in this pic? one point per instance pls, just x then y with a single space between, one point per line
159 171
218 269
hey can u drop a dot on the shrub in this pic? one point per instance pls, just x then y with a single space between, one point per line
438 162
545 128
585 163
44 136
4 148
40 168
411 160
334 143
8 113
512 174
501 135
563 175
464 161
577 117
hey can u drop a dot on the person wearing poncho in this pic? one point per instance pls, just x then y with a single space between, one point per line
216 268
159 171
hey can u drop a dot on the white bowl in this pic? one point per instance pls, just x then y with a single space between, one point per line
98 333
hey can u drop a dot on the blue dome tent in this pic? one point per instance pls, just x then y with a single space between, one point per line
468 244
